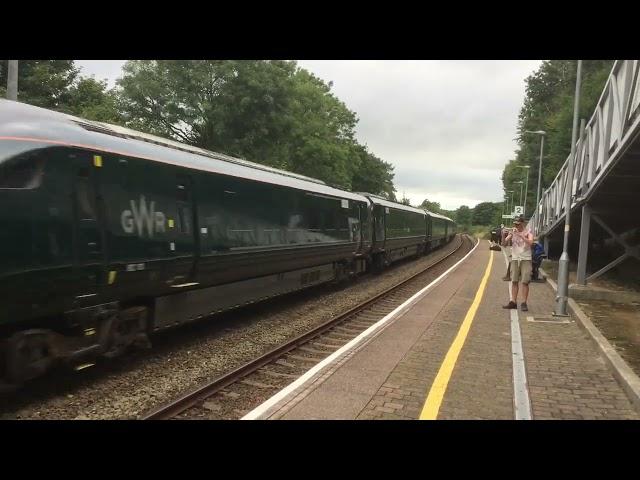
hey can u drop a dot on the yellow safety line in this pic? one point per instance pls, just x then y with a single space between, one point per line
439 387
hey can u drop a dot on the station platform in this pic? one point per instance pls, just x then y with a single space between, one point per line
453 352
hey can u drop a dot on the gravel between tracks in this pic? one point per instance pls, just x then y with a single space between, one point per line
189 356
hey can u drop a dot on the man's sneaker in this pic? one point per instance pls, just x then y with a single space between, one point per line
511 305
524 307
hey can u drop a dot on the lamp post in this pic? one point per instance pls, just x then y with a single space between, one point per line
12 80
524 205
521 184
510 202
563 266
542 133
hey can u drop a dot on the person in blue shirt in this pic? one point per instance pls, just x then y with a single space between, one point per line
537 251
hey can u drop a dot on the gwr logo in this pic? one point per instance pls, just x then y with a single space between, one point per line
140 217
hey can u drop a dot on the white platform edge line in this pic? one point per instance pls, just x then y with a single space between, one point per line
257 412
521 401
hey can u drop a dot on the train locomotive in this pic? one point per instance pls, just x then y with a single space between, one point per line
109 235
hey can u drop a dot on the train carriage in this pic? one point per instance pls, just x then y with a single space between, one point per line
109 234
399 231
438 226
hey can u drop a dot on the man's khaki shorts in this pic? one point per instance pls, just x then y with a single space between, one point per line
521 271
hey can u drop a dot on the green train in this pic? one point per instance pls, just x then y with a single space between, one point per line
109 235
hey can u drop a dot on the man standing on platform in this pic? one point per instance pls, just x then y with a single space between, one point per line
521 241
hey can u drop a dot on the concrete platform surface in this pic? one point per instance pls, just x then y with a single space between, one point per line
557 374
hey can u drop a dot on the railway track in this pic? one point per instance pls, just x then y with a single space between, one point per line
234 393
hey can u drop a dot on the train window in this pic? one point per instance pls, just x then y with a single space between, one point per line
86 199
22 172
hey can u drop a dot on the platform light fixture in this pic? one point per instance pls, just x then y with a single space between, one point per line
521 184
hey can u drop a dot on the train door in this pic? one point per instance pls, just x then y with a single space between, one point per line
90 248
366 228
185 236
380 215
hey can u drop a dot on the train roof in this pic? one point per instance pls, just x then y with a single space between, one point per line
20 121
388 203
437 215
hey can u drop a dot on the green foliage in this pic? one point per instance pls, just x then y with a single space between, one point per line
431 206
548 106
90 99
372 174
487 214
480 231
463 216
269 112
44 83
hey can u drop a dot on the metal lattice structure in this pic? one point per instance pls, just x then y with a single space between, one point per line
613 128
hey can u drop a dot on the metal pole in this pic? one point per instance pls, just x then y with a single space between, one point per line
12 80
539 175
563 267
511 209
521 184
526 186
583 252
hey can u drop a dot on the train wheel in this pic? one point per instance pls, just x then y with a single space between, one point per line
28 355
378 263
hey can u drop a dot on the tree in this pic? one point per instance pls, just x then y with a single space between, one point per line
463 216
89 98
548 105
431 206
487 214
270 112
44 83
372 175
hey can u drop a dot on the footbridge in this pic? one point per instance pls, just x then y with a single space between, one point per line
605 191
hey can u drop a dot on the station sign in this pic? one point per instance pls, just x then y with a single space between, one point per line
518 210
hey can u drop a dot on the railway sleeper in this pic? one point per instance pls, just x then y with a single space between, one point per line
274 374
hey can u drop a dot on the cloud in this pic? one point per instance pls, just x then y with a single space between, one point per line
109 70
446 125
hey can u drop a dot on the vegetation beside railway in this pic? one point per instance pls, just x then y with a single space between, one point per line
548 106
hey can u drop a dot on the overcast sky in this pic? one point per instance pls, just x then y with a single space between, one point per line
447 126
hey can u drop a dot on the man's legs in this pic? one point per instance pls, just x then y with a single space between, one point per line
525 272
507 276
507 253
513 288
